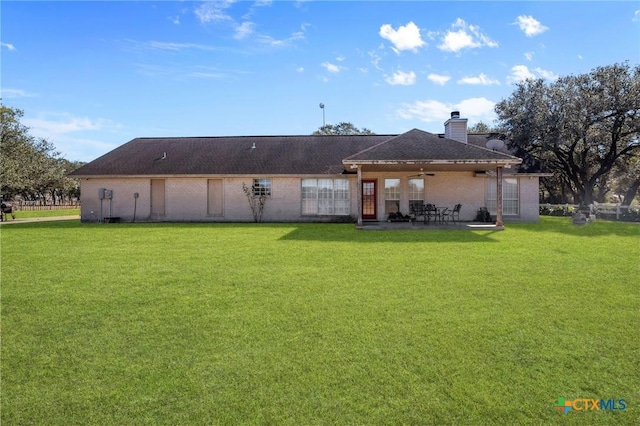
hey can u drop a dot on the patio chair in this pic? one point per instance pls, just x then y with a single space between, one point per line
431 211
453 214
417 210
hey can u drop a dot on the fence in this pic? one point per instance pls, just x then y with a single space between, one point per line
36 206
602 211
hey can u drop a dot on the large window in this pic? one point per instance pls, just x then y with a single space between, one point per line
510 196
391 195
261 187
325 197
416 191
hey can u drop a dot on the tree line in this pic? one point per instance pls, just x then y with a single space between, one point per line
31 168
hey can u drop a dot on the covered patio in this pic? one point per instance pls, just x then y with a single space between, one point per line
428 169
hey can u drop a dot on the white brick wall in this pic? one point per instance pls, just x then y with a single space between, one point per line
186 198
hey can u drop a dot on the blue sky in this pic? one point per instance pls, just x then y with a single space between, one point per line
91 76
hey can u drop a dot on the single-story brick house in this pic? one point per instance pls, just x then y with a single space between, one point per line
307 178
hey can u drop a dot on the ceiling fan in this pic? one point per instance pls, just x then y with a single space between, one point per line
422 173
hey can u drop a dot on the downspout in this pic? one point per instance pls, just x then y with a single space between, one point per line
135 204
499 196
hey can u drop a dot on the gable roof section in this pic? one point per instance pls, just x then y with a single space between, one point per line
423 147
229 155
282 155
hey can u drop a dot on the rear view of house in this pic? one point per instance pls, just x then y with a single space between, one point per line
307 178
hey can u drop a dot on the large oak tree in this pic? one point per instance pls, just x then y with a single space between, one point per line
30 166
579 127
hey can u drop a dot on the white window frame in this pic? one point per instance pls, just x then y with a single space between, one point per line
261 187
416 195
325 197
510 196
392 195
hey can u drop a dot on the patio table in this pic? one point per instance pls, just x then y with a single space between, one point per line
431 211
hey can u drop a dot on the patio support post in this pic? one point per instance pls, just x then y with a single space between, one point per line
499 196
359 196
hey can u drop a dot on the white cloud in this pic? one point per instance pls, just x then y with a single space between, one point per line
481 80
433 111
171 46
217 12
530 26
9 46
406 37
427 111
402 78
82 149
464 36
255 6
244 30
15 93
636 16
274 42
375 60
204 74
440 80
332 68
182 71
528 56
477 109
175 20
63 123
520 73
214 11
74 136
300 69
546 74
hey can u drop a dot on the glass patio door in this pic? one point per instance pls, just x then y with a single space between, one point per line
369 200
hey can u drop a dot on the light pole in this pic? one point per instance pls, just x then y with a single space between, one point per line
322 108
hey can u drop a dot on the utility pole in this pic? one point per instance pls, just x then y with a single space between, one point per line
322 108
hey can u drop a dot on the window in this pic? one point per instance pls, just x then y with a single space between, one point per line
510 196
416 191
391 195
325 197
261 187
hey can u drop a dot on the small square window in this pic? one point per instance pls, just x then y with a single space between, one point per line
261 187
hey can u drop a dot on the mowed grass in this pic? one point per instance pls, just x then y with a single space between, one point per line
23 214
291 324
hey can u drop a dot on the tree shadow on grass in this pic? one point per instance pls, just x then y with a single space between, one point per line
330 232
598 228
348 233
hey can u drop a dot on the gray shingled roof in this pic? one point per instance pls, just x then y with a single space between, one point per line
275 155
419 145
230 155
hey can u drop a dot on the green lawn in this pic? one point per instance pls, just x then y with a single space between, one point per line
22 214
295 324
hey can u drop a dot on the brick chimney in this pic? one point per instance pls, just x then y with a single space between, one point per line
456 128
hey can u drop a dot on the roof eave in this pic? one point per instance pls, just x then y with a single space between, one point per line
505 161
